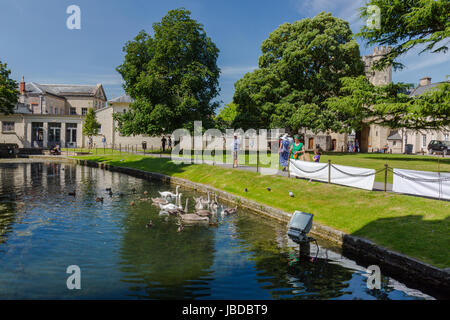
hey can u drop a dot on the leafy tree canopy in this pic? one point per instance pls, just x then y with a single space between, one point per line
300 67
8 90
362 103
405 24
226 116
173 76
90 126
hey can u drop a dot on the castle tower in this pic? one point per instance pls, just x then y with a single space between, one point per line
377 77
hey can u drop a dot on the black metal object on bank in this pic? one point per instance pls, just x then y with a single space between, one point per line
298 228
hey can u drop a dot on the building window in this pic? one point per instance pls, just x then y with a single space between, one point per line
99 131
394 143
73 111
446 137
8 127
83 111
424 141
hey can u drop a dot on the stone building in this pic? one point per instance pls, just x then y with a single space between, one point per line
50 114
109 127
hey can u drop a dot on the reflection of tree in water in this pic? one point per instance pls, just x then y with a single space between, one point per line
303 280
9 202
161 263
8 211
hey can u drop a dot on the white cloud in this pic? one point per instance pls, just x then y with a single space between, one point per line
233 71
425 61
344 9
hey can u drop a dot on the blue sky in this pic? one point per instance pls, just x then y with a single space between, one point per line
35 42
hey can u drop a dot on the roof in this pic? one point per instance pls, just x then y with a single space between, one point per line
61 89
422 89
395 136
123 99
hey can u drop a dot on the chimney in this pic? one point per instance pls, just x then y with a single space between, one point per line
425 81
22 86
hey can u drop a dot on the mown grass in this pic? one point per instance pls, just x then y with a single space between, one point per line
414 226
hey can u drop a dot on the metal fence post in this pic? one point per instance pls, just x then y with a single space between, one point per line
257 161
329 171
385 177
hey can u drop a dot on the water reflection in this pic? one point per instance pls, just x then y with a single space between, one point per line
43 229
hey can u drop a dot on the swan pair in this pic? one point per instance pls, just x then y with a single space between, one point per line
171 206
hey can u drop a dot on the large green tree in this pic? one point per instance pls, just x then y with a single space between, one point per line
300 67
362 103
8 90
405 24
173 77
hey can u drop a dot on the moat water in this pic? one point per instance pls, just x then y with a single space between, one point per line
43 230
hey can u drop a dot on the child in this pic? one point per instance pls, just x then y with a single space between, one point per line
316 158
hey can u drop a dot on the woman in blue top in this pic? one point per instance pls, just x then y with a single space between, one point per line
284 151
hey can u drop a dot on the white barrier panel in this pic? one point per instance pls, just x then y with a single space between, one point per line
422 183
348 176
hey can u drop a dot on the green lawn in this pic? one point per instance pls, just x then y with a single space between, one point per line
414 226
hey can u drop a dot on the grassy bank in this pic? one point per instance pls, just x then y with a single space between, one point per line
414 226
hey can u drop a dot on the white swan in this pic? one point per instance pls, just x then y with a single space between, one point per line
171 206
168 194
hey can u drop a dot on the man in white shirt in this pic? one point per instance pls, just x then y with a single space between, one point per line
235 148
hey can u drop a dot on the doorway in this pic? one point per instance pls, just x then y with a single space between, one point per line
311 143
71 135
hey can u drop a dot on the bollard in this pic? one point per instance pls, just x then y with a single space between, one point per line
257 161
385 177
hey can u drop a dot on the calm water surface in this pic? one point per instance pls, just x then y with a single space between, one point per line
43 230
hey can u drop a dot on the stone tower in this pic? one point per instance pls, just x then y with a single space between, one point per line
376 77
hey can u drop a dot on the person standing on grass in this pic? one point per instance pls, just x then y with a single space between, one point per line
284 152
169 145
235 148
104 141
163 142
297 149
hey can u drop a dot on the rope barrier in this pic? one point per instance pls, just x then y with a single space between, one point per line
314 171
356 174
